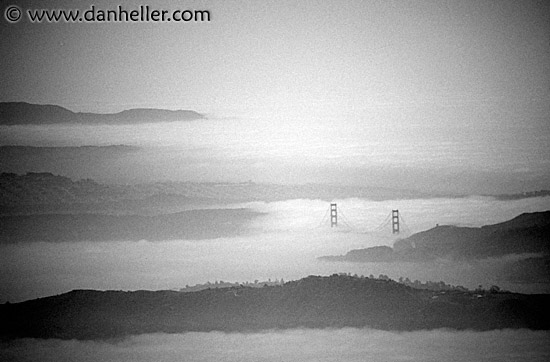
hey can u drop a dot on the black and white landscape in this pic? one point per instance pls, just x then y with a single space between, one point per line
166 188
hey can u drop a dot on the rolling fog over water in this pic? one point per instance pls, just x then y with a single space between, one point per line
283 243
295 345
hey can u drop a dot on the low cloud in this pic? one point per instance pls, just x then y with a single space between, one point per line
294 345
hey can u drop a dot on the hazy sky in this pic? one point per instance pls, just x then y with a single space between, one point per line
298 57
444 95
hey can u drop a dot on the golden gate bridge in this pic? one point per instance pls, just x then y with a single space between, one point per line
335 217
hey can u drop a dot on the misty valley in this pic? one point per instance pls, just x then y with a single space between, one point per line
129 249
159 228
289 180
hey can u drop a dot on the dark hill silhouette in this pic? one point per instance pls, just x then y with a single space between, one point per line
313 302
14 113
44 192
39 192
140 115
61 160
527 233
522 195
191 224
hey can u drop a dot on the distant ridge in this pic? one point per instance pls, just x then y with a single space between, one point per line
19 113
122 147
523 195
29 192
197 224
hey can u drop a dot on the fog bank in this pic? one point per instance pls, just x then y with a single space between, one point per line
294 345
284 243
449 158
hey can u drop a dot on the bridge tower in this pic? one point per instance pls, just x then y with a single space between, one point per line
333 215
395 221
